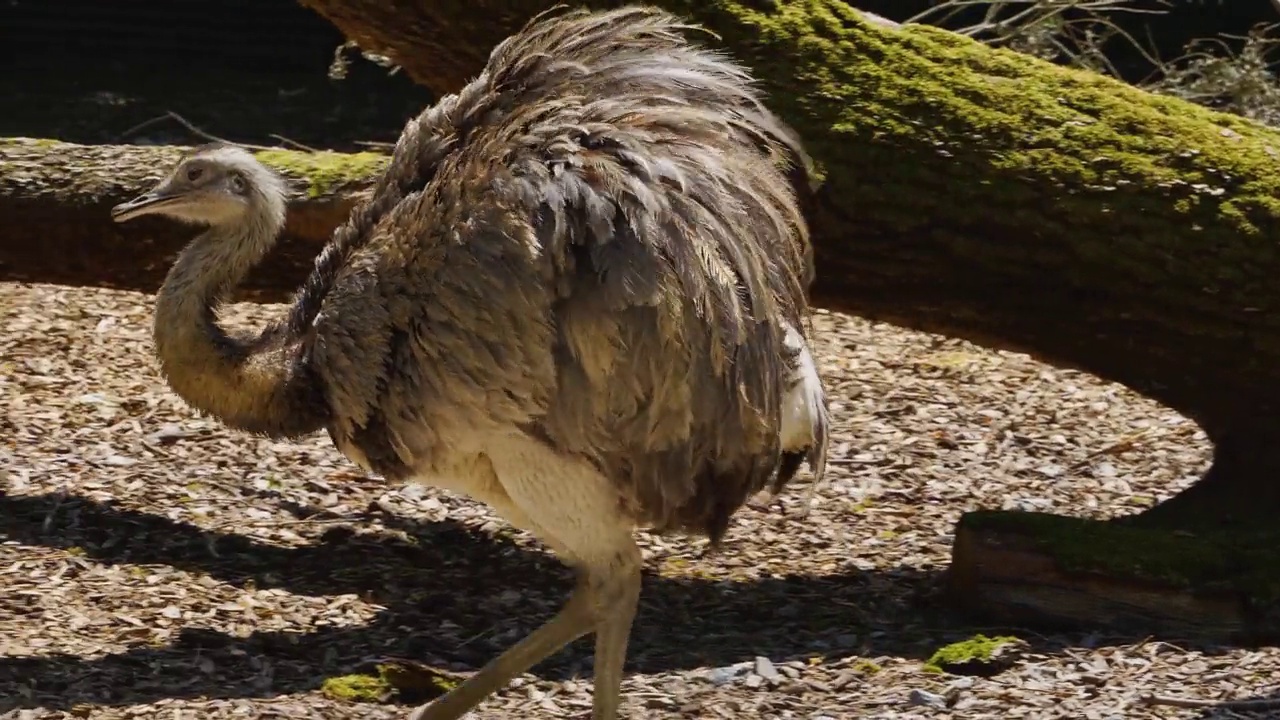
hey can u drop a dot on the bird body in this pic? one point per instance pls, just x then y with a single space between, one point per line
577 294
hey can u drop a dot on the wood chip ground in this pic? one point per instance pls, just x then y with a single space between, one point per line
156 565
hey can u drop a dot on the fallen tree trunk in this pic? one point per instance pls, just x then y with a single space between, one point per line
984 195
1208 584
55 223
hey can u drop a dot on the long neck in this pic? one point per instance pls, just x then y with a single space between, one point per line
260 384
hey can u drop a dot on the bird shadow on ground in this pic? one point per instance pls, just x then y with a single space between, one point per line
453 597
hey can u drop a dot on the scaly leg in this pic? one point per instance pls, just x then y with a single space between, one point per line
616 600
575 510
571 623
604 600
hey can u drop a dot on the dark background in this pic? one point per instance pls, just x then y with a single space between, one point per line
91 70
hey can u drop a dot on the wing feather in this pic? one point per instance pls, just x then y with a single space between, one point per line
608 251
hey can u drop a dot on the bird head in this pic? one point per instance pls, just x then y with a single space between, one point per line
214 185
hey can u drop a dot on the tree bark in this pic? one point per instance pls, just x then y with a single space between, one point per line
1210 585
55 223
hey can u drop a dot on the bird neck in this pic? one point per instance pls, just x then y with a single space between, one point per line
258 383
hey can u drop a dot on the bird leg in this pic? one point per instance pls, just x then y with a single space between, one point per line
572 622
604 600
616 601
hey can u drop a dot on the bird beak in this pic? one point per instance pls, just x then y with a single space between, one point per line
145 203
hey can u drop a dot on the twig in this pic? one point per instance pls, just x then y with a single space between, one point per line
201 133
391 146
230 524
1124 443
155 448
294 143
1194 703
143 124
952 8
171 115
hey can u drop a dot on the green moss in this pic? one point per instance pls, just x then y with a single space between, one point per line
1089 177
325 170
407 683
977 649
357 688
1245 561
866 667
43 143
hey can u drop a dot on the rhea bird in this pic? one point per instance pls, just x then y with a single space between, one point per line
577 293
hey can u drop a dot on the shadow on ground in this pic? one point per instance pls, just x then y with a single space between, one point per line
682 624
1266 705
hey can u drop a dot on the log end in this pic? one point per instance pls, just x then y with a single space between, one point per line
1061 572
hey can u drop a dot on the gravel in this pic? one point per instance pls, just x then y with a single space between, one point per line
156 565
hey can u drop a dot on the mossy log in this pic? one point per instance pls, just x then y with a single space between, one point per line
55 224
1207 584
983 194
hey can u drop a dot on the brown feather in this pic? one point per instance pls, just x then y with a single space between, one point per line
597 243
597 239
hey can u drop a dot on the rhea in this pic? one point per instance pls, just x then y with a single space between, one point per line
577 293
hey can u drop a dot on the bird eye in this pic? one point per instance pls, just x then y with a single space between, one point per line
193 174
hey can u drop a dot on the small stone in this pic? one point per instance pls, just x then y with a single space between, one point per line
724 675
414 491
953 691
1051 470
753 681
765 669
1030 504
926 699
963 683
168 433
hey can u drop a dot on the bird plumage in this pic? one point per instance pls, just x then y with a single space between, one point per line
608 255
577 293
